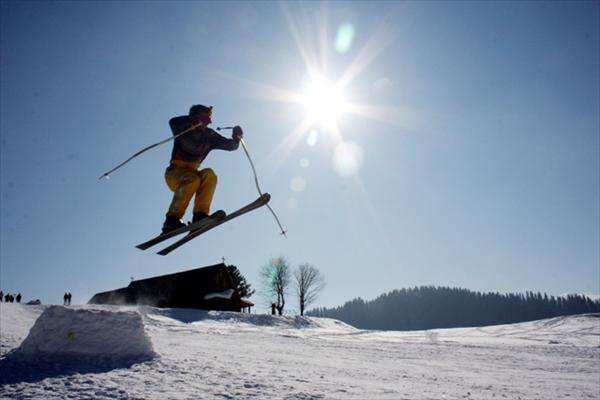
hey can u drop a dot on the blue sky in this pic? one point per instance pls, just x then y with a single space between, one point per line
479 146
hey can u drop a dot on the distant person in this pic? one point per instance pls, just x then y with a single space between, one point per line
69 296
7 298
1 295
18 297
65 297
273 307
183 177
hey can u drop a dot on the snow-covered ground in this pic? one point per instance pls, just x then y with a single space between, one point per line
194 354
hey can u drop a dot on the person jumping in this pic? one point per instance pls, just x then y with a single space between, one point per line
182 175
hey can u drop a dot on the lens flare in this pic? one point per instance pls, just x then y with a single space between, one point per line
311 140
347 159
298 184
344 38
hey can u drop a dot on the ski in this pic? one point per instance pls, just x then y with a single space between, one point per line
164 236
261 201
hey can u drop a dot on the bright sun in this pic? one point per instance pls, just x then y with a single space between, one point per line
324 101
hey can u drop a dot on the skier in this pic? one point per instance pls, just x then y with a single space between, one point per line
182 175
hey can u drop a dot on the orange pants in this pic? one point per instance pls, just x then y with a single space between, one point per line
185 181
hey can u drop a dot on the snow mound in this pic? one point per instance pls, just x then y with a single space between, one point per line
15 322
283 321
259 320
86 334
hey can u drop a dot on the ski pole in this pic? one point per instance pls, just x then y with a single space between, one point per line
243 142
107 174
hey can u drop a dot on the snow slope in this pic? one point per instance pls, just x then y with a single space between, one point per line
219 355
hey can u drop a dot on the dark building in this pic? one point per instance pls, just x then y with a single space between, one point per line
208 288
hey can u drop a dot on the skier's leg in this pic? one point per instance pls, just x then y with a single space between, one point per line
205 191
184 183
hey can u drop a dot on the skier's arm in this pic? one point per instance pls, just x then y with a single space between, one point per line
222 143
177 124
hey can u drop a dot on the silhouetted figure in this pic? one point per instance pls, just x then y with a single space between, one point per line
273 308
1 295
69 296
7 298
182 176
18 297
65 297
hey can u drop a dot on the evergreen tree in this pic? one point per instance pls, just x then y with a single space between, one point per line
239 282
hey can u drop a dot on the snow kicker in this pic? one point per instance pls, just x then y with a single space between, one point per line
86 334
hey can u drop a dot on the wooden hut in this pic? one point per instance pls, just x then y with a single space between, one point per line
207 288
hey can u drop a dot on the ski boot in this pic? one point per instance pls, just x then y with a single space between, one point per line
172 223
200 216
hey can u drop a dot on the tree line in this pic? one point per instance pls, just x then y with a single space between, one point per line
429 307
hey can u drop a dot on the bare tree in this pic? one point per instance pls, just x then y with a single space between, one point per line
309 282
275 279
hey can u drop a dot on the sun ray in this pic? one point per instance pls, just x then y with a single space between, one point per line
323 37
401 117
284 148
335 133
306 52
408 119
259 90
386 33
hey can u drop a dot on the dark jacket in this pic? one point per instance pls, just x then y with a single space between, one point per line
195 145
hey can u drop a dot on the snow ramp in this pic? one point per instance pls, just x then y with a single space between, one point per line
95 335
16 321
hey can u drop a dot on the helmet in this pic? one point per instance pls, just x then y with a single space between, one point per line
200 109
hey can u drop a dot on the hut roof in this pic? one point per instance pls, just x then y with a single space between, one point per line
206 279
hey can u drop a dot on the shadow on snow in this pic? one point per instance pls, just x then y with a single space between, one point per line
18 370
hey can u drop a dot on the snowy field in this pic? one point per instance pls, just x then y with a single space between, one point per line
147 353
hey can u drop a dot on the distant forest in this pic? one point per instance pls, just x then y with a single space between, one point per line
429 307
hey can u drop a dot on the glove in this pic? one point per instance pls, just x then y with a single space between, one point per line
237 133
